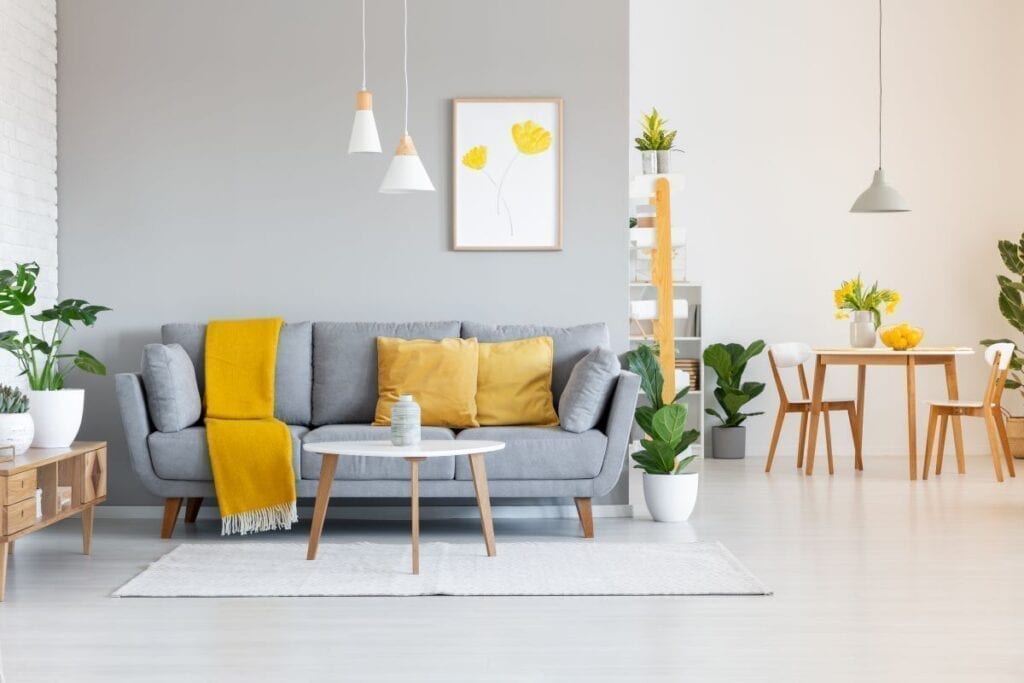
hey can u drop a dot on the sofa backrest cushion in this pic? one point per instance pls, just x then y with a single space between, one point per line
345 365
293 377
571 343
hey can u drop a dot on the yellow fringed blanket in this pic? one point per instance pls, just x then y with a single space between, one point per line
250 451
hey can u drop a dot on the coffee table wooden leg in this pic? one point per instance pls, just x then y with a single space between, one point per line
483 500
414 501
323 496
3 569
88 515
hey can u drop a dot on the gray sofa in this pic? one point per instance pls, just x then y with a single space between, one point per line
326 390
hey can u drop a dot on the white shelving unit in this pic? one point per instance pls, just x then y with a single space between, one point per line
687 340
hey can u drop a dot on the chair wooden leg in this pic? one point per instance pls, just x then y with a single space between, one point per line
1004 440
802 445
929 442
775 439
941 446
586 513
828 443
192 510
171 508
852 414
994 446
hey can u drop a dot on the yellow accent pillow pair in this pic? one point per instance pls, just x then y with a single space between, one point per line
461 383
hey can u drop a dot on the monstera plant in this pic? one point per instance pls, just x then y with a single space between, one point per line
56 411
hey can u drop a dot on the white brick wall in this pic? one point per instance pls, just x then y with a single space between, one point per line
28 145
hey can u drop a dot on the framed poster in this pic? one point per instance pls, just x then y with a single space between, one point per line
507 174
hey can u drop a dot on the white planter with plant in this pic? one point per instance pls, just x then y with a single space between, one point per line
16 428
655 144
56 411
729 440
669 491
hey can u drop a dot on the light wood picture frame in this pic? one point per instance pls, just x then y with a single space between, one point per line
507 174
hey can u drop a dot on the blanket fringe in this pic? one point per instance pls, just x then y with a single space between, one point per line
270 518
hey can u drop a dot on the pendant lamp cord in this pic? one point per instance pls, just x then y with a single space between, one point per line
879 84
364 45
405 58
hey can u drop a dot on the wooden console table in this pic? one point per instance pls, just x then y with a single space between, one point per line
82 468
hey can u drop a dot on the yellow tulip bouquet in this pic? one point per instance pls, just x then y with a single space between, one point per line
852 295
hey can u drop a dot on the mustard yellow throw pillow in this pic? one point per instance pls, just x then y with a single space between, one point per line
513 386
440 375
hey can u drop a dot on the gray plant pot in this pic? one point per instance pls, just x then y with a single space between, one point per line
728 443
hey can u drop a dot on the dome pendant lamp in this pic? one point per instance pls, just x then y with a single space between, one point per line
406 172
364 138
880 197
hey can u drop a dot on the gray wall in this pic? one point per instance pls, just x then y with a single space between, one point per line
203 173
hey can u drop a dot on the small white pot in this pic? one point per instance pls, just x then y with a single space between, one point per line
57 416
670 497
16 429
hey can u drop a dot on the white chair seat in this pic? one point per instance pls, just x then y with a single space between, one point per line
954 403
827 399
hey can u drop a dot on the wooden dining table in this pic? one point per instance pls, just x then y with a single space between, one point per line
908 359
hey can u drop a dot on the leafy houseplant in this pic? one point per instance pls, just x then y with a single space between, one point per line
57 411
1011 305
865 305
16 427
729 361
665 451
655 142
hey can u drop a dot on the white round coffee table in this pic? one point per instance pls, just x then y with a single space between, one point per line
414 455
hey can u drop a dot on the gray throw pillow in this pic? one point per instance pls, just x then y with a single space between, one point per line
172 392
587 392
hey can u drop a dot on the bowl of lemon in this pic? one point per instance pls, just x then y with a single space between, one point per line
901 337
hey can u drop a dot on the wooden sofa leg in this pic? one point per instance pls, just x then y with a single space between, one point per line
171 508
586 513
192 510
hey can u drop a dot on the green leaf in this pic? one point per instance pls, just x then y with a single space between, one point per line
1010 254
669 423
88 363
643 362
645 418
681 394
717 357
684 463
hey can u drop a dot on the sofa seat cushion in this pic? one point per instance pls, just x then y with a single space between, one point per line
184 455
537 453
360 468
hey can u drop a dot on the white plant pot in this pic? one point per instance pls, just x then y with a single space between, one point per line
16 429
57 416
670 497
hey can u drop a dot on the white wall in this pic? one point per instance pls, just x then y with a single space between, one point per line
28 146
776 106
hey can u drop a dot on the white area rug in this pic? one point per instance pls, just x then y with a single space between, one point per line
349 569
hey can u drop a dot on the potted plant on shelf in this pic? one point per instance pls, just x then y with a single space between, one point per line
865 306
655 143
670 491
16 427
1011 306
729 440
56 411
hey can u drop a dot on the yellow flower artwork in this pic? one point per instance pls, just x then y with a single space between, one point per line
529 139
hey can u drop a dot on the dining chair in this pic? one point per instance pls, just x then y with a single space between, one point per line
794 355
988 408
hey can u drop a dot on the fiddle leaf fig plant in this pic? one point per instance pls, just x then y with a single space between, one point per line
38 351
1011 305
729 361
663 423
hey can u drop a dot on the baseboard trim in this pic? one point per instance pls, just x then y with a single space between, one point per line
390 512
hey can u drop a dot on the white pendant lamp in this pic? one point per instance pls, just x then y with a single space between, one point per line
880 197
406 172
364 138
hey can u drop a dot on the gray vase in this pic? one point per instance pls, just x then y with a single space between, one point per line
649 161
728 443
664 161
862 330
405 422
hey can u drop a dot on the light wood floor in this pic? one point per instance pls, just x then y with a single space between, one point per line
876 578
